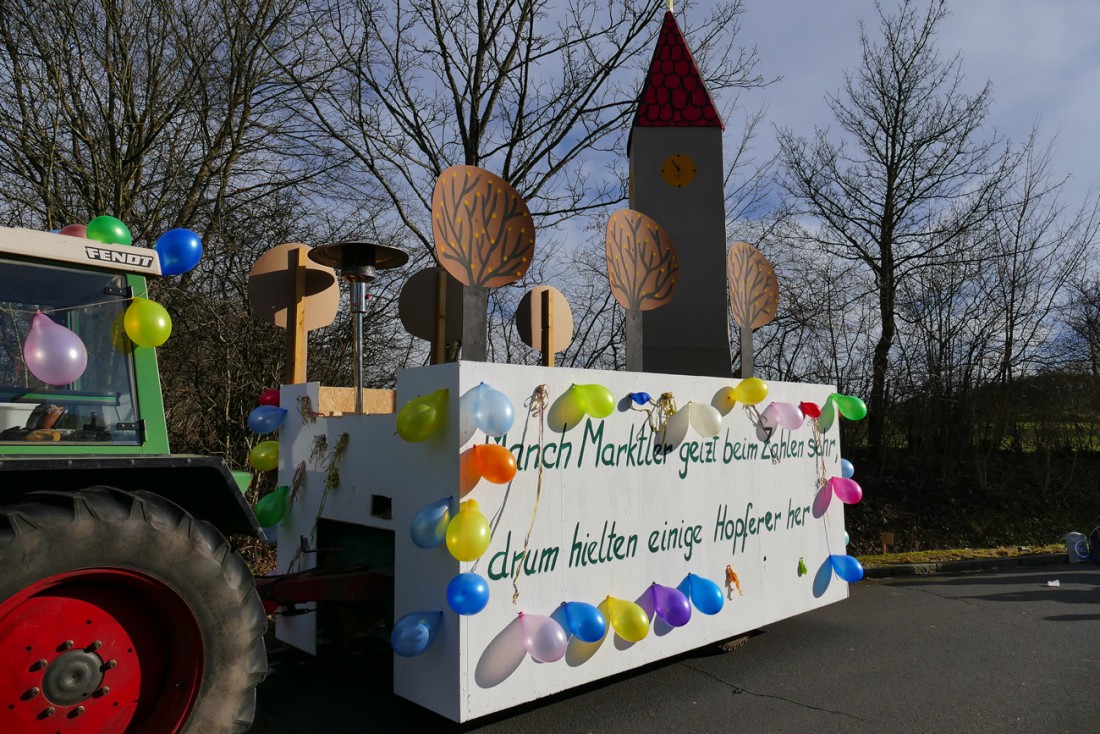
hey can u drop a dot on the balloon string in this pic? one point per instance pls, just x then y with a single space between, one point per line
664 409
64 309
539 399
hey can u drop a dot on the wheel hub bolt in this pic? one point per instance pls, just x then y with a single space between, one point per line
40 664
103 691
49 712
109 664
66 645
79 710
32 693
94 646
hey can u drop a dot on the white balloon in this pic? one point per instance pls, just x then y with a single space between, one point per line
705 419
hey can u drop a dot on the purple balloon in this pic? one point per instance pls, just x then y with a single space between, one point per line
54 354
543 637
847 491
671 605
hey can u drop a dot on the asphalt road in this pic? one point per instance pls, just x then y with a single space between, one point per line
993 651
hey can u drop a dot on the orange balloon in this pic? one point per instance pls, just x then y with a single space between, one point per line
469 474
495 462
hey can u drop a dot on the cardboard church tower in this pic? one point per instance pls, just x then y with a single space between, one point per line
676 178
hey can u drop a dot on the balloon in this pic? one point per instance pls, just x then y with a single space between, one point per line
639 399
848 568
828 415
847 469
676 427
704 593
270 397
785 415
179 250
429 525
705 419
493 412
147 323
495 463
724 400
751 391
850 406
264 456
802 570
629 620
266 419
585 621
467 593
415 632
109 230
422 416
847 540
671 605
543 637
596 400
53 353
847 490
468 532
810 410
566 412
271 508
74 230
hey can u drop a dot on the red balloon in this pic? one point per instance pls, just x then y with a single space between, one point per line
811 410
75 230
270 397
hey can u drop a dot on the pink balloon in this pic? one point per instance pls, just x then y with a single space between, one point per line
786 415
54 354
543 637
847 490
75 230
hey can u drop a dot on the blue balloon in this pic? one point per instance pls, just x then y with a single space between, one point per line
584 621
493 412
179 250
428 528
266 419
847 568
640 398
847 540
415 632
704 593
467 593
846 469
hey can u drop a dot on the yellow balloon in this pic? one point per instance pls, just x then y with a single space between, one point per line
147 323
751 391
597 400
264 456
629 620
566 412
421 417
468 532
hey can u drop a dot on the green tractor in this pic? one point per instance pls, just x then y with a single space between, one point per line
123 606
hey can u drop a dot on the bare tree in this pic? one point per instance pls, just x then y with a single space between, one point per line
911 176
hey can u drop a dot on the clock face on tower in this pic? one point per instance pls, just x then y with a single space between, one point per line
678 170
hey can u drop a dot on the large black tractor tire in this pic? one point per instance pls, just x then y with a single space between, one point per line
120 612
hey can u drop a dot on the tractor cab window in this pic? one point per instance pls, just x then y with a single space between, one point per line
45 393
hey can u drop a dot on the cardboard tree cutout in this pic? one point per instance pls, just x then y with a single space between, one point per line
754 295
643 270
484 237
545 322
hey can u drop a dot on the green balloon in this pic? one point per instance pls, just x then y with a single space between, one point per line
147 323
851 407
598 400
110 231
271 508
422 416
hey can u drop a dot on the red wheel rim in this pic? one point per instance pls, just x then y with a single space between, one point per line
98 650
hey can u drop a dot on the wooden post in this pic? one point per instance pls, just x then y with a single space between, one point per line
439 341
747 365
633 334
547 328
475 303
296 320
887 539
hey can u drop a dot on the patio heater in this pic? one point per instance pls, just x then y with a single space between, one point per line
358 263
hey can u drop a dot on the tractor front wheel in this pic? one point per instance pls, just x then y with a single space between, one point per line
120 612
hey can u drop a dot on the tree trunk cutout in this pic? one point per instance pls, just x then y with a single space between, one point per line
484 233
642 266
754 295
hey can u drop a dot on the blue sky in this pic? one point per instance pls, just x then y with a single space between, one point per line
1043 58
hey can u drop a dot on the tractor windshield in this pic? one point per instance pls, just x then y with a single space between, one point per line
45 392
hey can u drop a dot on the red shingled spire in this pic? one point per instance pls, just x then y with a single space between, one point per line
674 94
